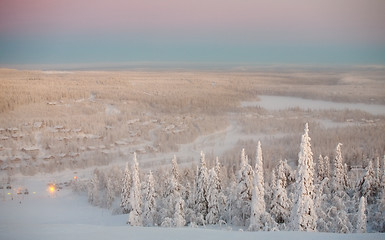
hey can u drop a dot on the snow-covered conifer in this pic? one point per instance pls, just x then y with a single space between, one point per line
281 204
367 186
377 169
361 219
126 188
339 180
110 192
321 205
321 174
135 217
213 194
93 189
382 183
149 208
269 192
259 170
179 215
258 205
327 166
175 170
244 189
201 203
232 214
289 172
337 213
172 193
380 215
303 215
218 170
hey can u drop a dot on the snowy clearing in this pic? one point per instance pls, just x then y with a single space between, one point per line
283 102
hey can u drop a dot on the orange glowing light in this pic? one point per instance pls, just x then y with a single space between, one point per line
75 177
51 188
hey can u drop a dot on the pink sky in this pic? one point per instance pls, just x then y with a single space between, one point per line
269 31
356 21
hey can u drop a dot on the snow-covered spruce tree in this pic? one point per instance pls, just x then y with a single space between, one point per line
339 201
244 190
175 170
382 184
149 208
213 193
337 213
231 215
281 205
258 206
377 169
321 204
189 198
361 218
218 170
289 172
126 188
172 193
321 173
380 213
135 217
367 187
221 196
269 190
110 192
303 215
327 167
339 180
93 189
201 187
179 215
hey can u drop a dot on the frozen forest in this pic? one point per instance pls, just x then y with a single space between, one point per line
321 193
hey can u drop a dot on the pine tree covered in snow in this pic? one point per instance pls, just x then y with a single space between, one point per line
110 192
380 213
149 208
172 192
338 218
179 215
382 183
322 194
368 186
135 217
290 174
175 170
303 215
93 189
339 180
327 166
338 202
231 215
201 203
125 194
213 194
321 171
377 169
244 190
361 219
258 206
281 205
222 199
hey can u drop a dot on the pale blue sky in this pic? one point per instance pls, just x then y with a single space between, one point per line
222 31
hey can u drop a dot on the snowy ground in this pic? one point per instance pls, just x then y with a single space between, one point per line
65 215
283 102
